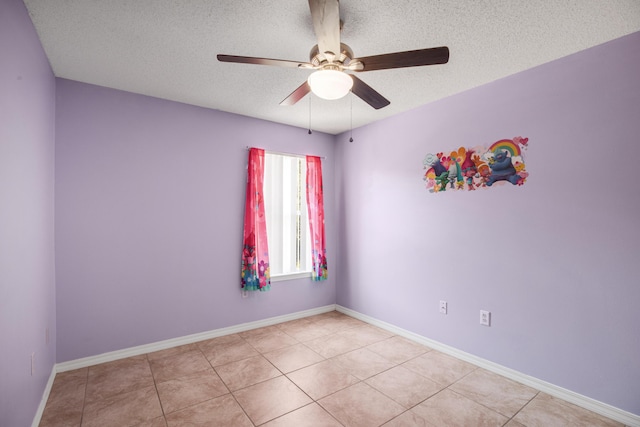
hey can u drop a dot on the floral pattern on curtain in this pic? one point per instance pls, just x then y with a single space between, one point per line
315 205
255 274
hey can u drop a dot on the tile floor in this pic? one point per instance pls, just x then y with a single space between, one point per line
325 370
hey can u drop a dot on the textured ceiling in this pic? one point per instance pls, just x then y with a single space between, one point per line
167 48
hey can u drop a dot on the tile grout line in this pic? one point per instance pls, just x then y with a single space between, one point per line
523 406
84 397
155 385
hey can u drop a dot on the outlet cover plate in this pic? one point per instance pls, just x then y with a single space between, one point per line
485 318
443 307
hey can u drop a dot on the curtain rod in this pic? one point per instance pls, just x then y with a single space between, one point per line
280 153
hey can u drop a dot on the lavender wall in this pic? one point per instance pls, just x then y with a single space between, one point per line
555 260
27 287
149 208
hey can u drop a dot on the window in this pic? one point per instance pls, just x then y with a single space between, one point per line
286 213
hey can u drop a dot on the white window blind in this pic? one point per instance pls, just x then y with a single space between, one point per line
285 203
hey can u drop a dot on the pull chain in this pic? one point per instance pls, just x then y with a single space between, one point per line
351 126
310 115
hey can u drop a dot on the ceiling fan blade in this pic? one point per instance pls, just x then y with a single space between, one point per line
260 61
368 94
326 24
296 95
410 58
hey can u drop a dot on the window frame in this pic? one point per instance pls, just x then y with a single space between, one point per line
302 207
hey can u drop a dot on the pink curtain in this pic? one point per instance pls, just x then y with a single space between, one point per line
315 204
255 253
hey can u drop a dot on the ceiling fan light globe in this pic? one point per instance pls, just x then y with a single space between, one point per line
330 84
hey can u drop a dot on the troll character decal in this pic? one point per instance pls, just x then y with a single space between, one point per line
471 168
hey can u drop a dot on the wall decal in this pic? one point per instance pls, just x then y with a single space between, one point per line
477 167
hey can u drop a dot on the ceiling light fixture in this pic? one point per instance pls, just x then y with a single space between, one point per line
330 84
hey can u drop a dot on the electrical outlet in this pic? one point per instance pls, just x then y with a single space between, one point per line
443 307
485 317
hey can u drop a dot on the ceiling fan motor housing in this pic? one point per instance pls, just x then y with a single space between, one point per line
327 60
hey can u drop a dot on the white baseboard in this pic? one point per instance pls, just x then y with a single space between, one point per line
45 397
188 339
585 402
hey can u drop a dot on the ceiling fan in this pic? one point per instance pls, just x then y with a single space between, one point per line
332 59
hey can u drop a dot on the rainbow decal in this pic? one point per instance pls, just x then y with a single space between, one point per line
470 168
506 144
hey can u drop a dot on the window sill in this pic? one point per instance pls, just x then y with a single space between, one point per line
290 276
